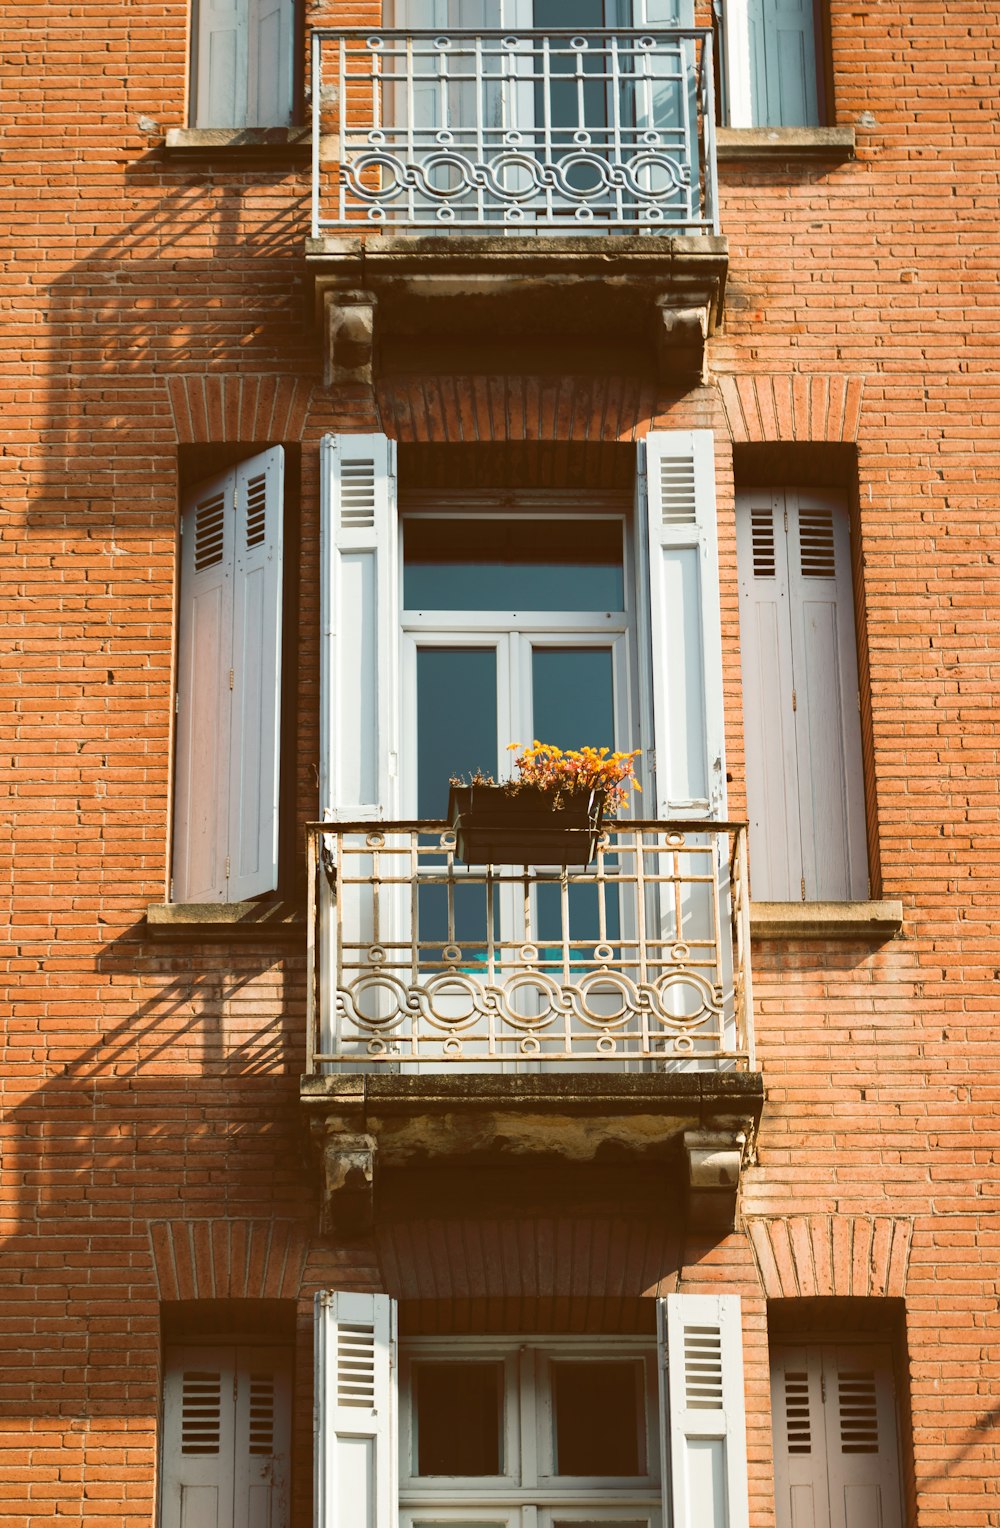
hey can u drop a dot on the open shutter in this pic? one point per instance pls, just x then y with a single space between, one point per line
786 35
199 1417
359 614
768 718
355 1413
270 63
703 1411
263 1438
220 63
825 678
204 660
256 691
835 1445
685 634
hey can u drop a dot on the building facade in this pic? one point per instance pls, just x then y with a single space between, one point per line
384 386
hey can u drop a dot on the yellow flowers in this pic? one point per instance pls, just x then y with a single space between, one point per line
578 769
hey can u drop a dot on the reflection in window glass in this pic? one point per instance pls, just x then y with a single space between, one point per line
458 1410
572 691
483 564
598 1418
456 720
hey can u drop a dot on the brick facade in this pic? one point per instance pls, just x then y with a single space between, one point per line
152 1147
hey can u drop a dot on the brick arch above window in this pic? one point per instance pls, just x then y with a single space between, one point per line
792 406
802 1256
226 1259
220 407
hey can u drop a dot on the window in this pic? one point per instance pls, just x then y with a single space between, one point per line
242 67
643 645
226 1435
774 63
228 702
507 1432
835 1435
805 785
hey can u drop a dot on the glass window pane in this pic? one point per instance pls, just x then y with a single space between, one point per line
599 1418
572 692
458 1418
483 564
456 720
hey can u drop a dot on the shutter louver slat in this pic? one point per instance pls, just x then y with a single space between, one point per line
762 541
209 532
201 1412
261 1414
677 491
256 529
703 1366
357 491
858 1412
797 1420
355 1365
816 543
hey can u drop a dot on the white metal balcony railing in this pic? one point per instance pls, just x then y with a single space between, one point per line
526 131
419 963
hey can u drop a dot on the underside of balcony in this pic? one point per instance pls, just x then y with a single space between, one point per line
385 298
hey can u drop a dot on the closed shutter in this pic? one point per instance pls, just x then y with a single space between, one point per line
204 659
772 63
243 64
228 681
805 784
703 1411
359 614
226 1436
220 63
768 719
256 694
355 1411
270 97
685 642
835 1440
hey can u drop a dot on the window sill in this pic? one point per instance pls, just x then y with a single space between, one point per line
272 143
874 921
226 920
736 143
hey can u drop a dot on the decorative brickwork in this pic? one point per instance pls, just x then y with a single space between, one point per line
228 1259
221 408
794 407
802 1256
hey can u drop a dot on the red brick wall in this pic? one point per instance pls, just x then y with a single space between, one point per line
151 1089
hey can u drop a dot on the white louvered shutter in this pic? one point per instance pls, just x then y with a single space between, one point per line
835 1443
355 1411
805 785
768 719
270 97
827 717
199 1429
226 1438
703 1411
220 65
261 1493
359 614
685 630
256 692
204 659
228 685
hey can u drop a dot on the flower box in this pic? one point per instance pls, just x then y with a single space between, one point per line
530 826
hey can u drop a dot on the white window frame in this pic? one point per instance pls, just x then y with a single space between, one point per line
529 1494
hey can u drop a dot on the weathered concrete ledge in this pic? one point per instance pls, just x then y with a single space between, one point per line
666 291
202 142
826 920
696 1124
226 920
733 143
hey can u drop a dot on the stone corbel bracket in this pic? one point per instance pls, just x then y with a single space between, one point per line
681 342
349 352
714 1161
348 1184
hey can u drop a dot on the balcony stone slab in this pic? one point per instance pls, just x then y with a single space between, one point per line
662 292
697 1125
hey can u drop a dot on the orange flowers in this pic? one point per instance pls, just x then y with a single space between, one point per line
583 769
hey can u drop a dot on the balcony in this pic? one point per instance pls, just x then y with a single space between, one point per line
565 177
460 1012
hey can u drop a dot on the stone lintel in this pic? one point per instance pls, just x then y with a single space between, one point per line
872 921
